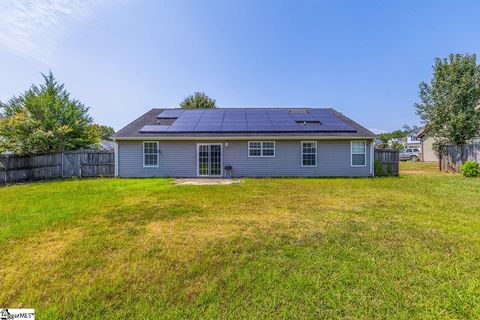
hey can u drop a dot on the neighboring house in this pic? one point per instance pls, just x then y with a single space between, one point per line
392 141
426 146
106 145
307 142
412 139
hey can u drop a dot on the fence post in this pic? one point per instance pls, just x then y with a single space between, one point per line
5 171
80 162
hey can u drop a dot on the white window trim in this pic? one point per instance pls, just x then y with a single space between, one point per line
364 154
158 155
261 149
301 154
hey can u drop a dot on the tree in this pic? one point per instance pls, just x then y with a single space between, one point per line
45 118
105 132
198 100
448 103
385 137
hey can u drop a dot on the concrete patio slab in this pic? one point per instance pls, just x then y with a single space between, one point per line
205 181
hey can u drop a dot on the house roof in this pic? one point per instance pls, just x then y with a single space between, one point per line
107 145
415 132
245 122
420 133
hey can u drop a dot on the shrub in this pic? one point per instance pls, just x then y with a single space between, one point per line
470 169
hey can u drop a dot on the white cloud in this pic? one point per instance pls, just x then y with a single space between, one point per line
32 28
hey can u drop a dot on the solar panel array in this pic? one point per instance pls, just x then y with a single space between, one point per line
249 120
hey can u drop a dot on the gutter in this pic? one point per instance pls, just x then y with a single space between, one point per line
372 158
242 138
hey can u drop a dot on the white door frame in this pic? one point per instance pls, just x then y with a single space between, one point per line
209 159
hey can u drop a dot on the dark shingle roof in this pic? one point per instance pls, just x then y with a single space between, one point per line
136 129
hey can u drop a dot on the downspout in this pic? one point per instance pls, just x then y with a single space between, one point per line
116 159
372 156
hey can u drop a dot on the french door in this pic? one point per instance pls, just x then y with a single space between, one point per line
209 159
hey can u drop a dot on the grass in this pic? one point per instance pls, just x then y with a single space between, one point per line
406 247
409 167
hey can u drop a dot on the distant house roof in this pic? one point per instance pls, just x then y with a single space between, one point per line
415 132
273 122
107 145
397 140
420 133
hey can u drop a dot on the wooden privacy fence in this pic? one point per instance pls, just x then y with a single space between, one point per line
57 165
456 155
386 162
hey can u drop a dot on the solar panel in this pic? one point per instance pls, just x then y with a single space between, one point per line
234 126
239 116
246 120
279 116
330 121
171 113
259 126
302 116
235 129
259 115
153 129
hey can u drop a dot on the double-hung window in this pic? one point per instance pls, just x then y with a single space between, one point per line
309 153
150 154
261 148
359 153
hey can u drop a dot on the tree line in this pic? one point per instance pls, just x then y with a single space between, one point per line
45 118
450 104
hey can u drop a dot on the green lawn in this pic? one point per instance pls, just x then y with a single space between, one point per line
405 247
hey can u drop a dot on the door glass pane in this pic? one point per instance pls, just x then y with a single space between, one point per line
203 160
215 160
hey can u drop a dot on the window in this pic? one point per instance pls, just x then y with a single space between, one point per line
309 153
150 154
359 153
261 148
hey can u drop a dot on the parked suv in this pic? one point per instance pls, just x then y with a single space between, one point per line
412 154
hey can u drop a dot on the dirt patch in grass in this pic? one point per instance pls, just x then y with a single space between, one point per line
196 232
409 167
416 172
28 257
44 247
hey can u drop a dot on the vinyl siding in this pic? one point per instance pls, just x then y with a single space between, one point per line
179 159
428 155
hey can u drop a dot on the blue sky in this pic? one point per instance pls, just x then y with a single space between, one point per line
121 58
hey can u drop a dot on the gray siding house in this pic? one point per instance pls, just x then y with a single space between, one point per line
277 142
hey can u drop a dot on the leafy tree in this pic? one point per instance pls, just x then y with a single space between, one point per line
385 137
105 131
198 100
45 118
448 103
